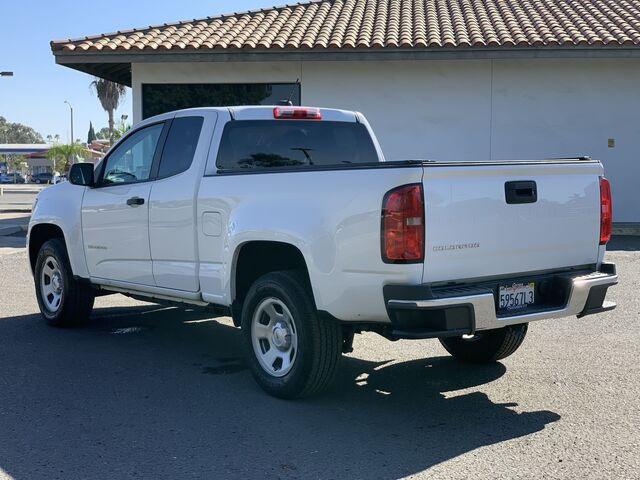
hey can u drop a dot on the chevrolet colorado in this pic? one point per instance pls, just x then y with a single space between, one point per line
290 220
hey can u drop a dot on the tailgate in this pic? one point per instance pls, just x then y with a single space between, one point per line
472 231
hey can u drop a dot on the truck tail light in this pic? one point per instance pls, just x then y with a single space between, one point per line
297 113
402 235
606 211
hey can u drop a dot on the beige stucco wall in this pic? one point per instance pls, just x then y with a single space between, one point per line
466 109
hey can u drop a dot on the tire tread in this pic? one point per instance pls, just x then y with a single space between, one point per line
78 303
494 345
325 335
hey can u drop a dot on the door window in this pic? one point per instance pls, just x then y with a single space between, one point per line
131 161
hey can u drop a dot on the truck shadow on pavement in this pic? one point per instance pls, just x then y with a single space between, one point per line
153 392
624 242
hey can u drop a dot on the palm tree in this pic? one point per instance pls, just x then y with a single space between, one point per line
110 95
63 155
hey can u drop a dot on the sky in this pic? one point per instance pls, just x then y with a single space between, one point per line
36 93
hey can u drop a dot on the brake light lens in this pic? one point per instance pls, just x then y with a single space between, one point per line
606 211
297 113
403 225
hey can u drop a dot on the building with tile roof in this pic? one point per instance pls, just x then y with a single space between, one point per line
441 79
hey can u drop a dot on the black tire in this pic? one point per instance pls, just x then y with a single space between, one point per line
486 346
77 298
319 341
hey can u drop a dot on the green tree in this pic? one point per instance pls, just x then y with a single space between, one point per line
55 139
118 131
91 136
110 95
63 155
18 133
103 133
15 162
121 130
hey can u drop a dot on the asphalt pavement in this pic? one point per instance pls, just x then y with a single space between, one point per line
151 392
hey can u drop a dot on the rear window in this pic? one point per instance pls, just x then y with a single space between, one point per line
268 144
180 146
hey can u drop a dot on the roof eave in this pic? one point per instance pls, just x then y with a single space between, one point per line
115 65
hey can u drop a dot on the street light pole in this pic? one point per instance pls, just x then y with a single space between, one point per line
71 109
6 74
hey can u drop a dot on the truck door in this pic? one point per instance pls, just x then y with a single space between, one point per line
172 205
115 213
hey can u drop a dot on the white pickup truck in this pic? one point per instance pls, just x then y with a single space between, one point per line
290 220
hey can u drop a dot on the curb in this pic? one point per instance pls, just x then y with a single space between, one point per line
16 209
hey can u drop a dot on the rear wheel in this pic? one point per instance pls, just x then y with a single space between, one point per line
486 346
291 352
63 301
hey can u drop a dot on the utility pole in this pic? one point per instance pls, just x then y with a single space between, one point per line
71 109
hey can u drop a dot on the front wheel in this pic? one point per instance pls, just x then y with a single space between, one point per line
291 352
486 346
63 301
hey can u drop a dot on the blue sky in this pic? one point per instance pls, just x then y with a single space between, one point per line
35 95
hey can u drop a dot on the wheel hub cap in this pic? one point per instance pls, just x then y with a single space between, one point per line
57 282
51 284
274 337
281 337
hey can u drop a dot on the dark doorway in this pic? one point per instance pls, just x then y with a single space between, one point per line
165 97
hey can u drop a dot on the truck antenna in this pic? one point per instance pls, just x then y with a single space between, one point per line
288 102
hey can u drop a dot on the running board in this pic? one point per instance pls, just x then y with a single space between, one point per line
153 295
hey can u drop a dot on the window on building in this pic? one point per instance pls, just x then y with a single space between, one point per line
166 97
180 146
263 144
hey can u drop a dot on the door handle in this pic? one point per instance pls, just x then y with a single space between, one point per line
521 192
133 201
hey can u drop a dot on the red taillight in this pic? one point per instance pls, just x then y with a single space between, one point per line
606 211
403 225
297 113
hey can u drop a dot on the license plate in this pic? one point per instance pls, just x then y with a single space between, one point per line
516 296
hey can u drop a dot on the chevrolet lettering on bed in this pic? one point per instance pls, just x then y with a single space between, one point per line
291 221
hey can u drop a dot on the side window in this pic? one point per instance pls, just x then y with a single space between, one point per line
180 146
131 161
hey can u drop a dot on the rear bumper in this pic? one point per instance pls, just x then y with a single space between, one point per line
425 312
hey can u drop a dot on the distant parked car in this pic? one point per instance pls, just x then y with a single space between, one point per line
45 177
11 178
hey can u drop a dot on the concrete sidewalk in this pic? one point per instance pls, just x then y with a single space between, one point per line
18 198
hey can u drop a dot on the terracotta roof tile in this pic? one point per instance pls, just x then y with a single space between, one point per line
369 24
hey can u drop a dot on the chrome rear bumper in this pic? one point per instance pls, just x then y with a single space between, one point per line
586 296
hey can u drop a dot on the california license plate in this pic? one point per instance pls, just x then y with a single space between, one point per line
516 296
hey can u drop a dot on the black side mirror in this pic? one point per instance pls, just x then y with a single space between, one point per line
81 174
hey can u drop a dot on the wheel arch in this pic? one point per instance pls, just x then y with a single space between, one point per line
255 258
38 235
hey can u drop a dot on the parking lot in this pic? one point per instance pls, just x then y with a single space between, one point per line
151 392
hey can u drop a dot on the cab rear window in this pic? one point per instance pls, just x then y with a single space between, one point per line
271 144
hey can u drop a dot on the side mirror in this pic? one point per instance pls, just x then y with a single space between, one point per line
81 174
